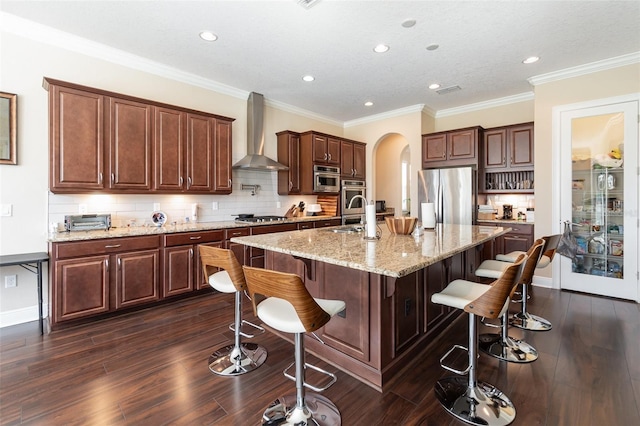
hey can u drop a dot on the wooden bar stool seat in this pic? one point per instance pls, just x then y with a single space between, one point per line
283 302
470 400
225 275
501 345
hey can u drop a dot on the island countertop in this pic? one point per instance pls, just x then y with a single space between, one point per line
391 255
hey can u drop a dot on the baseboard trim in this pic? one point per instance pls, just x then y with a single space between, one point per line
20 316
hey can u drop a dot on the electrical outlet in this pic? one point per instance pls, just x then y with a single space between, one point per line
214 205
82 208
6 209
156 206
10 281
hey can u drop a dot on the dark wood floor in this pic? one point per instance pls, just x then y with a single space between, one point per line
150 368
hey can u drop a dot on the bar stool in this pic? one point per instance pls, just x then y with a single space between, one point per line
238 358
524 319
283 302
470 400
503 346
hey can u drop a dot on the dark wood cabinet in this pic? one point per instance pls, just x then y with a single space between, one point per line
451 148
76 139
116 143
507 159
240 250
325 149
130 145
289 155
99 276
520 238
353 159
255 256
508 147
182 268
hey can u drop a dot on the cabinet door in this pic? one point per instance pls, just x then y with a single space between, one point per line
319 144
129 145
81 288
293 161
333 151
178 270
200 140
76 137
434 148
200 280
169 149
495 148
436 279
359 160
346 159
137 279
516 243
521 146
462 144
222 157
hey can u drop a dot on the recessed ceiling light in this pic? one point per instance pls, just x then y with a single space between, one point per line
408 23
432 46
308 78
208 36
368 103
381 48
434 86
531 60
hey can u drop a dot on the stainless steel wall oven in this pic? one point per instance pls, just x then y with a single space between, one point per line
326 179
355 212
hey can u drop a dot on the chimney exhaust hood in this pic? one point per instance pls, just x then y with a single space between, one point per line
255 158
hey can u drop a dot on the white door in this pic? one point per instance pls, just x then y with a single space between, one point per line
599 195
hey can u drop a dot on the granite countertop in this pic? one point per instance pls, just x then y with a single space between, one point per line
58 237
392 255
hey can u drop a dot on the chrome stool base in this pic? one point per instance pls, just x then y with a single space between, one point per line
513 350
318 411
527 321
479 405
225 360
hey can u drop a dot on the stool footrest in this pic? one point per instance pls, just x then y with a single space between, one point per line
259 329
489 324
453 370
332 380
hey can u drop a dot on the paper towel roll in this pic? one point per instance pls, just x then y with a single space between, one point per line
428 215
370 220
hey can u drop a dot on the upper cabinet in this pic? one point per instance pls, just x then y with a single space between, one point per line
289 155
451 148
325 149
353 159
506 147
105 141
507 159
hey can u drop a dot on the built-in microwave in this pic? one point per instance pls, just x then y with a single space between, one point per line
349 205
326 179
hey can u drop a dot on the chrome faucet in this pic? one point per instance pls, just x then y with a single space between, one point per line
363 220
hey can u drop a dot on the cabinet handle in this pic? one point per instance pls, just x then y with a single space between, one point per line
113 177
119 263
106 263
100 177
504 160
290 185
112 246
188 182
181 180
191 253
444 154
235 234
325 155
329 156
195 238
230 182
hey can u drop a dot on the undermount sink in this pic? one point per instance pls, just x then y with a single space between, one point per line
347 229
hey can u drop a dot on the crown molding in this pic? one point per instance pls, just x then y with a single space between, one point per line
303 112
507 100
385 115
618 61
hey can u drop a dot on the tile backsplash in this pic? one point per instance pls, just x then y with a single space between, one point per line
520 202
126 208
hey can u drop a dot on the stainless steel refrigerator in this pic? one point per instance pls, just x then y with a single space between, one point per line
453 191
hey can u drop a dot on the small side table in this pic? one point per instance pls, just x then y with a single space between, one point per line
32 262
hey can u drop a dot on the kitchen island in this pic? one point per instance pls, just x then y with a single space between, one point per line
387 286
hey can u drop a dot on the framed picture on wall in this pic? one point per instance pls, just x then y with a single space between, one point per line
8 128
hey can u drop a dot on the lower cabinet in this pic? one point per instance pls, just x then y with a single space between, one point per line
520 238
255 256
99 276
182 268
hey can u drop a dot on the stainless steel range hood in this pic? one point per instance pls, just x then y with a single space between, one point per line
255 158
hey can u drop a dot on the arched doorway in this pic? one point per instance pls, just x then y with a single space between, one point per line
392 173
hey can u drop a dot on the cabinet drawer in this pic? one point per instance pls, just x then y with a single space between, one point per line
261 230
105 246
520 229
236 232
187 238
325 223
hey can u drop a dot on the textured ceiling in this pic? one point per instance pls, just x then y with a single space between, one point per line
267 46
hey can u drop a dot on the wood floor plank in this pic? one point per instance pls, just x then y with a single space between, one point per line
150 367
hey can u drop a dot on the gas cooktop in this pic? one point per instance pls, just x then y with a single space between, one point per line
260 219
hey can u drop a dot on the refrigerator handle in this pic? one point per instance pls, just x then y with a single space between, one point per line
439 203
